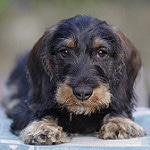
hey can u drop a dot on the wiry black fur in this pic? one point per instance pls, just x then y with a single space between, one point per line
117 71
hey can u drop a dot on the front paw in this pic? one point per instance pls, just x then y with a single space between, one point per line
44 132
120 128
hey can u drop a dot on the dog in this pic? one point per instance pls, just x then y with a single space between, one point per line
78 78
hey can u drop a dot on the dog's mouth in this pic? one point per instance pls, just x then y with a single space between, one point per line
83 99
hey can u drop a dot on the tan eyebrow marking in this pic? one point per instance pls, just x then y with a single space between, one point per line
97 42
70 43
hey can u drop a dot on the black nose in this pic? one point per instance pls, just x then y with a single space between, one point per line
82 93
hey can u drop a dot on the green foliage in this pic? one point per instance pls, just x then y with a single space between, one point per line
3 6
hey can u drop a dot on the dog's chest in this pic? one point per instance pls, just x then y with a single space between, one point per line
80 123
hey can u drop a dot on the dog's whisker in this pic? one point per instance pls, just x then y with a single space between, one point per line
97 105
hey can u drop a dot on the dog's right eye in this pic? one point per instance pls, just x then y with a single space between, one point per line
64 52
102 52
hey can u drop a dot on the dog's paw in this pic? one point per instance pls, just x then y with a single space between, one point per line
120 128
44 132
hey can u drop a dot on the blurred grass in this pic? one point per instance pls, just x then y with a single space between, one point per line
3 7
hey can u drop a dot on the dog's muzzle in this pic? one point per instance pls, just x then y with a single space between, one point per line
82 92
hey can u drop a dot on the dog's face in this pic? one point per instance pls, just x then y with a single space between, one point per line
92 65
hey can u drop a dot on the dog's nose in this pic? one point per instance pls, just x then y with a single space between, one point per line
82 93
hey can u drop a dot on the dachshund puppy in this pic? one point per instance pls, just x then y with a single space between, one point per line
78 78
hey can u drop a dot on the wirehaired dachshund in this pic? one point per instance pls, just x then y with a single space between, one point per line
78 78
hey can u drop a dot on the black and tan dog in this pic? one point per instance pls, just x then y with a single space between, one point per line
78 78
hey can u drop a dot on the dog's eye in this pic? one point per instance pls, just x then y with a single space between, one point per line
102 52
64 52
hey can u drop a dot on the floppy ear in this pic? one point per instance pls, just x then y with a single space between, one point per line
131 56
40 75
129 64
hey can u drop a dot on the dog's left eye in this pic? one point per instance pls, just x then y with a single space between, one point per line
102 52
64 52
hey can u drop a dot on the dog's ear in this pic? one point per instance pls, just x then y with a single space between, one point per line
39 57
131 56
40 74
128 67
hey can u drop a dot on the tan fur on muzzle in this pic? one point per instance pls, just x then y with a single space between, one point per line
100 98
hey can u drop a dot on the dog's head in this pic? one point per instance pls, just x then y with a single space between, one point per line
84 65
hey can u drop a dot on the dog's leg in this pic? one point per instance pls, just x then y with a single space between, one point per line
44 132
119 128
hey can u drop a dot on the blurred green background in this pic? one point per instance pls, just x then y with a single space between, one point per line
22 22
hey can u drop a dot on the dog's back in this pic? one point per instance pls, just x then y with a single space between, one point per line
17 84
